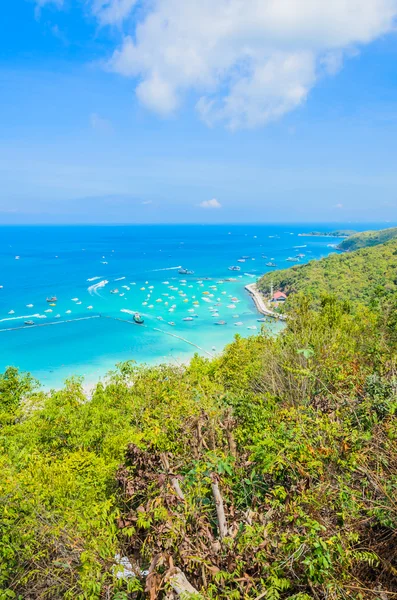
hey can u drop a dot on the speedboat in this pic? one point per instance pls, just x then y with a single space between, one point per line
185 272
292 259
234 268
241 260
271 264
52 299
115 291
220 323
188 319
29 322
138 319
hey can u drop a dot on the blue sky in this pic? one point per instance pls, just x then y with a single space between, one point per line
108 115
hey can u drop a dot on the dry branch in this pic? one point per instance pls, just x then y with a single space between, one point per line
220 511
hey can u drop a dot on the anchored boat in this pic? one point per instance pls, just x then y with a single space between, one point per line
185 272
138 319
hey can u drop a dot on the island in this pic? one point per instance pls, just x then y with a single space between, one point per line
342 233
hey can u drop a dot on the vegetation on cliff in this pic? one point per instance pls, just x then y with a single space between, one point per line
366 276
367 239
269 472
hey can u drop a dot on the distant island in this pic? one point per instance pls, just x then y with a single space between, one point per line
339 233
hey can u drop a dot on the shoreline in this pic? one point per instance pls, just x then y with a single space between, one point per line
260 303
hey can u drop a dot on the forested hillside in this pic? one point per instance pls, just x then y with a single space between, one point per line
367 239
365 276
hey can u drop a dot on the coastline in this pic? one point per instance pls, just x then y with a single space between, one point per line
260 303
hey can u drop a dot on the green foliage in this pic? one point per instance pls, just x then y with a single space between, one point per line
14 386
367 239
367 276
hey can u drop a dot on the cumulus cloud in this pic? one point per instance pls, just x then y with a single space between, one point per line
247 61
210 203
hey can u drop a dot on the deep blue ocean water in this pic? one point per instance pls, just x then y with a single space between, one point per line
80 265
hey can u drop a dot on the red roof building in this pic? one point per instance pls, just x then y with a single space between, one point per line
279 297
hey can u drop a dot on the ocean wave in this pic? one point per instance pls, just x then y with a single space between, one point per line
168 269
93 289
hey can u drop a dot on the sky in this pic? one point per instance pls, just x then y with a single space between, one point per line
207 111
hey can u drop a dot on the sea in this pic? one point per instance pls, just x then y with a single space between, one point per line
102 275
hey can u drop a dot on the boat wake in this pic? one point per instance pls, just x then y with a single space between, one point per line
93 290
168 269
119 278
93 279
128 311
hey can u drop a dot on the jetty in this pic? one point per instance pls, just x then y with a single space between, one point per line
261 304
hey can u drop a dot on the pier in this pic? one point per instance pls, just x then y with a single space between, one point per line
260 303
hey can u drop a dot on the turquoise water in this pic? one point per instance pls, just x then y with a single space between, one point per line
80 265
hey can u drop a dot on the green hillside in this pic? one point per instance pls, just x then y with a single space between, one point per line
367 239
360 276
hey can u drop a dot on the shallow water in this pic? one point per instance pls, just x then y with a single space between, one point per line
80 265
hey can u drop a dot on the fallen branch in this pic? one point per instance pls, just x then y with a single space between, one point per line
174 480
179 583
220 511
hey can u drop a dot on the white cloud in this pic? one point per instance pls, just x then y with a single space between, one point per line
339 205
110 12
247 61
210 203
147 202
98 123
